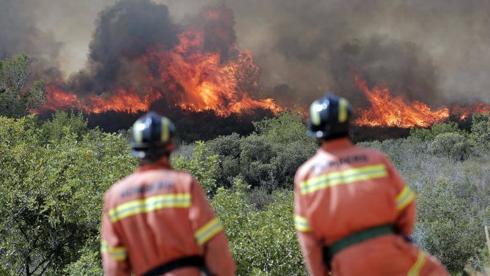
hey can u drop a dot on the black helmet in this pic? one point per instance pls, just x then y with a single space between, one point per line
152 136
329 118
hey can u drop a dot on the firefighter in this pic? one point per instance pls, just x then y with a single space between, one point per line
353 211
157 221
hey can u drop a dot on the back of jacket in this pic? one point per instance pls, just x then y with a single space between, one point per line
352 189
158 215
344 189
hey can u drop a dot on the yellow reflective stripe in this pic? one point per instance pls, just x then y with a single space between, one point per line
343 177
208 231
149 204
301 224
117 253
342 110
417 266
404 198
315 110
164 137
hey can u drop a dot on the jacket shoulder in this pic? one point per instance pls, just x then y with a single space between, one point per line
305 169
374 154
112 194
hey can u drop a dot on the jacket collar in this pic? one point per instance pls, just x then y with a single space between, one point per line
336 145
163 163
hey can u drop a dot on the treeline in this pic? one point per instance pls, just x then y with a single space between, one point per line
54 173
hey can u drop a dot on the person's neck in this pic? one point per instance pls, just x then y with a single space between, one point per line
162 163
336 144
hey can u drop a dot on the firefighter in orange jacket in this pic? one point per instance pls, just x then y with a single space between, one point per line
157 221
353 211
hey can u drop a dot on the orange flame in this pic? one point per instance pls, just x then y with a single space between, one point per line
464 112
392 111
187 75
120 101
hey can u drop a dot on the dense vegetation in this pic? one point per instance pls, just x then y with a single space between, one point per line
18 95
53 175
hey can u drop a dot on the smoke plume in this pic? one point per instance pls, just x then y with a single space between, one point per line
124 33
19 34
430 50
435 51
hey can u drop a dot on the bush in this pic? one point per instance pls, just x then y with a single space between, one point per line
454 230
428 134
203 165
53 179
54 174
269 157
263 242
450 171
480 133
451 145
18 97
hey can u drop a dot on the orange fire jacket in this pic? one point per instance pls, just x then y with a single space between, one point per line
344 189
157 215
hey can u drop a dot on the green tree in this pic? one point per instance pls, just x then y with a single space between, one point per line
480 133
428 134
53 179
452 145
263 242
18 96
267 158
203 165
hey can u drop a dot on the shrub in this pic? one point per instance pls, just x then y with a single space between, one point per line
428 134
203 165
262 242
480 133
451 145
51 192
18 94
454 230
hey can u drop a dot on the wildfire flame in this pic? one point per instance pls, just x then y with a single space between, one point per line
387 110
393 111
120 101
464 112
188 76
198 75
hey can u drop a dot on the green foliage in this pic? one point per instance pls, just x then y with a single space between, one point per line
450 220
449 168
452 145
87 264
17 97
53 178
428 134
284 129
480 133
268 158
55 172
203 165
263 242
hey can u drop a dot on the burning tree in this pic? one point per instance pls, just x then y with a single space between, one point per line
197 67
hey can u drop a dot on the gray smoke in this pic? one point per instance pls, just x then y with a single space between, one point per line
435 51
19 34
124 33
